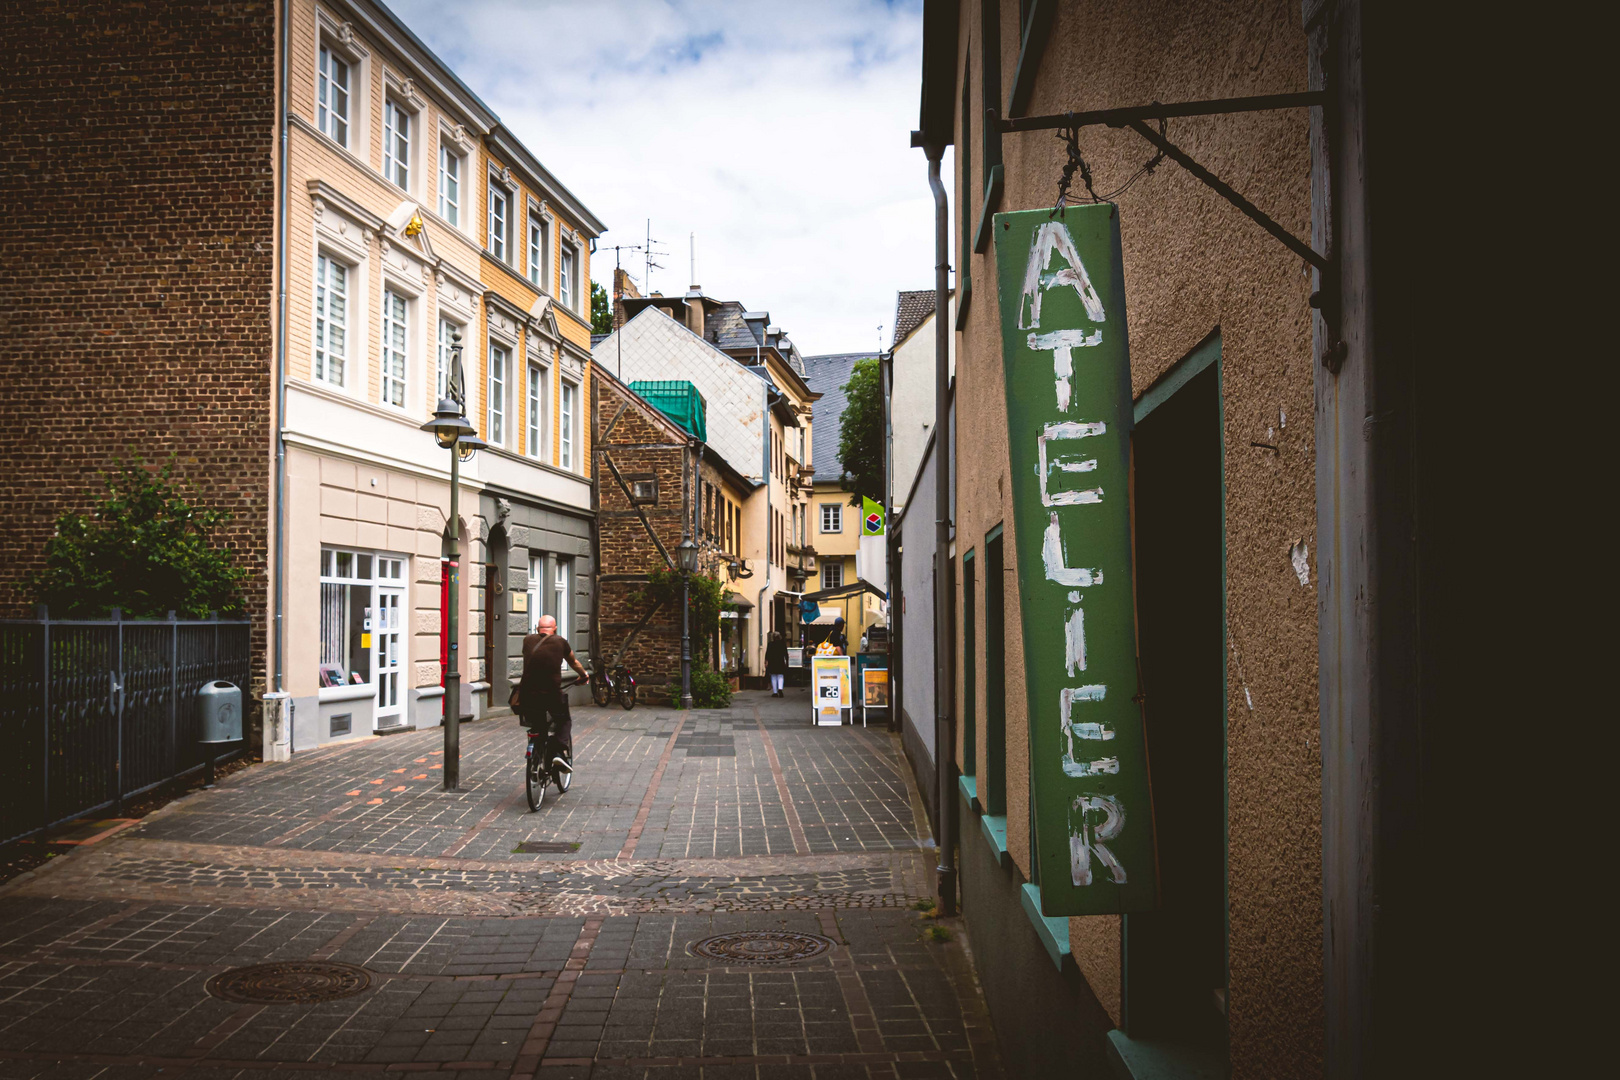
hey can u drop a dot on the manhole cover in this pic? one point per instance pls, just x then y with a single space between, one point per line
296 982
761 947
545 847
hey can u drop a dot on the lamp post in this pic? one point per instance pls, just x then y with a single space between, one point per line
688 554
456 434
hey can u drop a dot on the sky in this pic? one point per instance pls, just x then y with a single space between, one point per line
775 134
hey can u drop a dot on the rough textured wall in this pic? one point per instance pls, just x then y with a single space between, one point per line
1193 264
136 230
654 657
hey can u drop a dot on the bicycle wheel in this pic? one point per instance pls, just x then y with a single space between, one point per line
601 689
534 783
627 695
563 778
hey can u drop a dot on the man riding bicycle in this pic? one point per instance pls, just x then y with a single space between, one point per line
540 694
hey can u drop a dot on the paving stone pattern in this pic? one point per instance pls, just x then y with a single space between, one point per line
493 963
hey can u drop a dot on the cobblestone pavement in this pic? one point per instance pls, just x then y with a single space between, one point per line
570 961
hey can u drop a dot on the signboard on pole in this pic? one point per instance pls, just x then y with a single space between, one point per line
875 682
1068 387
829 678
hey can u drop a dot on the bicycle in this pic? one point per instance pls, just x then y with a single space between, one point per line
539 772
620 684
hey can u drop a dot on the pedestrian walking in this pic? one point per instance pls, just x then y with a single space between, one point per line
540 693
838 639
776 662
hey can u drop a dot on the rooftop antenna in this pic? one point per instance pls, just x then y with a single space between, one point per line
650 252
691 246
618 300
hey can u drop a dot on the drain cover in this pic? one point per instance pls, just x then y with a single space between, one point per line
296 982
761 947
545 847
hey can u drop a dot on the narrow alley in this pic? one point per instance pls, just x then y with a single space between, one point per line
421 929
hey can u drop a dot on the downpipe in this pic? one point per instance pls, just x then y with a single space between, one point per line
945 690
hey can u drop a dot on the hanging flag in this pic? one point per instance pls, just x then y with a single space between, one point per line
809 611
1068 392
873 522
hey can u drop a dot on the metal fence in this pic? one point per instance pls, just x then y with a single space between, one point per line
93 712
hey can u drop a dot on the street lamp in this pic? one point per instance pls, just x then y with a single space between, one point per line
688 561
451 429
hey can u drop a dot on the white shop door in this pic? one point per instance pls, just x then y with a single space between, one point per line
388 640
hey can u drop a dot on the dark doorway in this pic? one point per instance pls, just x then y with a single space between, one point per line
993 790
1175 958
497 623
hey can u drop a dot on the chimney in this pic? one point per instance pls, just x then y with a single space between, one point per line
623 289
694 310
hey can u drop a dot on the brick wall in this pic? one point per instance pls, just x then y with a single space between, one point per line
655 655
136 230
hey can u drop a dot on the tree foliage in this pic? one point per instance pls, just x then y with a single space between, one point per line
601 310
147 548
860 437
705 599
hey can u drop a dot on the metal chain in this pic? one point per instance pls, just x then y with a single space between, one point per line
1069 135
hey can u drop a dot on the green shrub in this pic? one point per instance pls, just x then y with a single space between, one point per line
710 689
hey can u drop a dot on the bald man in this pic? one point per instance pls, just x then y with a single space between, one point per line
541 693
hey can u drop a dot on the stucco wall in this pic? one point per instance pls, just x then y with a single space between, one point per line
913 408
1193 264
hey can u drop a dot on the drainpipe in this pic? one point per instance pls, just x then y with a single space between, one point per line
891 583
945 692
278 632
759 604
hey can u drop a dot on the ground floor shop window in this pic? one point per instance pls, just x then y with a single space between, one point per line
362 625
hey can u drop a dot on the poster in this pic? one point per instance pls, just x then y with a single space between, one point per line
1068 391
875 683
829 678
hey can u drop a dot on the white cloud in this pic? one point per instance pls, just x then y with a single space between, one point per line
776 132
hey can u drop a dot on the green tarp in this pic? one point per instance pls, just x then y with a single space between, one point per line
677 399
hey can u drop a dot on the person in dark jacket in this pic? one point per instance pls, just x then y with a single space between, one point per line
838 639
541 695
776 662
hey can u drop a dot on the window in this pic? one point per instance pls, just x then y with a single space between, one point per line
346 581
643 488
500 211
498 357
537 565
566 282
832 575
832 517
537 249
331 319
332 97
396 145
536 411
393 349
570 393
562 583
447 330
450 186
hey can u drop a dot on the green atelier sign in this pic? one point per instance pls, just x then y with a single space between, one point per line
1068 382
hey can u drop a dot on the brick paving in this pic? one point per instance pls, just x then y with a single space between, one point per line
490 961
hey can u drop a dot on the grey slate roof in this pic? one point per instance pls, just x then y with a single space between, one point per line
827 376
910 309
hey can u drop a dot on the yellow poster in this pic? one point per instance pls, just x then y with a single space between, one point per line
876 684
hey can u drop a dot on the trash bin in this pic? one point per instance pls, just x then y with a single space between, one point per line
219 713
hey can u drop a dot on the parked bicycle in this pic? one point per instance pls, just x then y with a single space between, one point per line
620 685
542 769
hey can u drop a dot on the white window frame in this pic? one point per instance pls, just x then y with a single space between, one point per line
537 571
332 91
450 205
496 394
828 568
397 123
499 240
568 425
538 248
442 359
832 517
321 361
396 346
562 583
568 276
537 381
